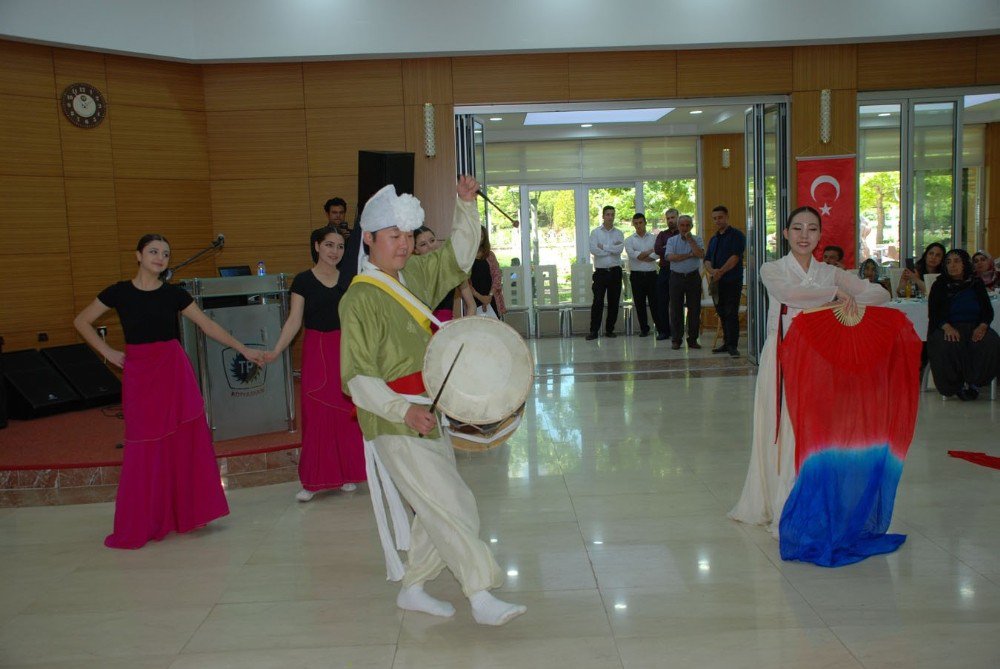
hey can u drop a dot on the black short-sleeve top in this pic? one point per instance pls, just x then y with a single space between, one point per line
322 303
147 316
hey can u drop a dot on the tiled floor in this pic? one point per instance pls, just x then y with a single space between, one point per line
607 511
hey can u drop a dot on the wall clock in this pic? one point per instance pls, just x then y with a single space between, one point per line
83 105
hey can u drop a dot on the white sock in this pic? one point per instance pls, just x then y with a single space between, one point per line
349 487
488 610
414 598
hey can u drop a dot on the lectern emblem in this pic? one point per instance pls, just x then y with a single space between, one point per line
241 374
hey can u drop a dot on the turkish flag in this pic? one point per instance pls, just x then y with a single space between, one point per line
828 185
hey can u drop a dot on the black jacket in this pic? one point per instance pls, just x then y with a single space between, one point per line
939 301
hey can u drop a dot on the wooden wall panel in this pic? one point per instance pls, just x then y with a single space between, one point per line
992 242
827 66
336 135
988 60
262 212
159 143
38 295
427 80
249 144
725 186
26 70
93 272
734 72
623 75
925 64
178 210
91 215
322 189
290 258
433 178
518 78
33 215
357 83
253 86
142 82
843 126
86 152
30 137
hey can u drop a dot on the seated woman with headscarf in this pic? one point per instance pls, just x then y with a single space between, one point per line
986 270
872 273
963 349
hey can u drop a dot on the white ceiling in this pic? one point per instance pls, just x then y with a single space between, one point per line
248 30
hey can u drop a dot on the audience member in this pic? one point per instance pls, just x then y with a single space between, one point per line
986 269
871 272
336 214
642 273
663 278
931 262
606 245
724 263
833 255
685 252
963 350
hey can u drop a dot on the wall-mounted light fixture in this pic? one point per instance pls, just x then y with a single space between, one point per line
725 159
430 143
824 116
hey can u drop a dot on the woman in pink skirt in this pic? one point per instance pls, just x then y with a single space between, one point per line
333 454
169 480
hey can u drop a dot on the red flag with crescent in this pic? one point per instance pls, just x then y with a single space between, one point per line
828 185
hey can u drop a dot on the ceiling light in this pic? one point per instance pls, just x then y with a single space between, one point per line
597 116
496 118
694 111
885 114
586 125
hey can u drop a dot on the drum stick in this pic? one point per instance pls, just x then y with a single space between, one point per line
495 206
445 381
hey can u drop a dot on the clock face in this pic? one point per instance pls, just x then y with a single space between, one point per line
83 105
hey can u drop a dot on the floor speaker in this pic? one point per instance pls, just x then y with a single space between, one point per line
34 387
381 168
3 391
88 375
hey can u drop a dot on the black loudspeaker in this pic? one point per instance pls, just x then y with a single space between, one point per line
3 391
381 168
88 375
34 387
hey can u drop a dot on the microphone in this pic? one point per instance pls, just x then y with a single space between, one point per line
167 274
220 241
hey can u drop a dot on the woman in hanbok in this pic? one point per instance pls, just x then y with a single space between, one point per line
169 480
795 282
332 454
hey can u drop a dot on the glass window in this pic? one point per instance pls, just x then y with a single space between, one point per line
933 184
658 196
879 181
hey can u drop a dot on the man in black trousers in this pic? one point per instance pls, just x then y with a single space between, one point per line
663 278
724 263
606 245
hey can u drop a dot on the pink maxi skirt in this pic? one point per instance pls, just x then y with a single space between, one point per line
332 450
169 480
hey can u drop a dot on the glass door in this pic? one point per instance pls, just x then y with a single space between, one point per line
552 234
767 206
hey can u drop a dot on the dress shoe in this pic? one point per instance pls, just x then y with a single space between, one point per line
592 336
693 344
735 352
676 345
644 333
662 337
721 349
610 335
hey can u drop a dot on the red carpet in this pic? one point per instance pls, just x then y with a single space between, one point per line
991 461
88 439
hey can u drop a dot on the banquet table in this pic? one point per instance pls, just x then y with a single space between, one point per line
916 310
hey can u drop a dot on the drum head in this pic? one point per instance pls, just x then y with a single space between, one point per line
492 377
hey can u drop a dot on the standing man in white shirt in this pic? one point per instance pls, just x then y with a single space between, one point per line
606 245
642 273
685 252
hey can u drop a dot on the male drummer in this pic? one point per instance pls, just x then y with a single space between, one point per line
385 330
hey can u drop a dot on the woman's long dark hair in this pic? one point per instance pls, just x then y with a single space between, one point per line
921 264
145 241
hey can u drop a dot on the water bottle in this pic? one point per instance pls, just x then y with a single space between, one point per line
261 271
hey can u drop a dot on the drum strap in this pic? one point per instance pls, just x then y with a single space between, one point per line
417 309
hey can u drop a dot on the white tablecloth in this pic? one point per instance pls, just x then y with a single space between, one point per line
916 311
